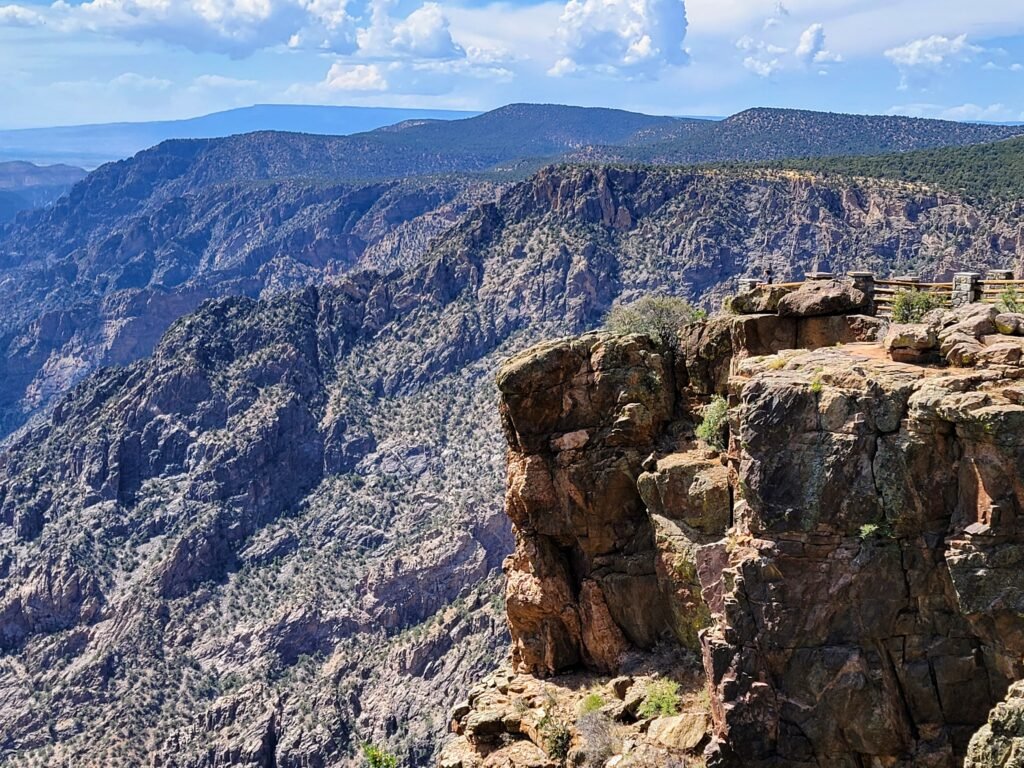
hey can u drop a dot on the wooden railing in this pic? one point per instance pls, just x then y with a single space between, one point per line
965 288
887 290
993 291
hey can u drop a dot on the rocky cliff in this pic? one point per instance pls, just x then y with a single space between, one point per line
250 539
847 565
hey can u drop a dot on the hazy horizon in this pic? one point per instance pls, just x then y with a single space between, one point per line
92 61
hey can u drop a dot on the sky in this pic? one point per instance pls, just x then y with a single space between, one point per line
84 61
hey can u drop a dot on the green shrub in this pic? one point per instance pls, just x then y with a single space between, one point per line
557 738
868 530
1010 300
379 758
662 699
659 317
712 428
912 306
592 702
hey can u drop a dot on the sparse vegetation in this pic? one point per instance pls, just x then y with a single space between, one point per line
981 172
592 702
912 306
659 317
662 699
376 757
557 737
1010 300
713 427
597 740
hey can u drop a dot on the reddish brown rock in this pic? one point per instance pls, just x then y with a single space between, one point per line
822 297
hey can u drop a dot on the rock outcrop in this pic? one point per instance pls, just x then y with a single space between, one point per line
848 567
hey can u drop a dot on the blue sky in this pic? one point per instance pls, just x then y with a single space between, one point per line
75 61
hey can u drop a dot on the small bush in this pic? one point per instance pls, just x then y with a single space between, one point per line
659 317
1010 300
557 738
379 758
712 429
597 741
868 530
592 702
912 306
662 699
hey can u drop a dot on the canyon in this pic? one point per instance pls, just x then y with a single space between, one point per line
282 503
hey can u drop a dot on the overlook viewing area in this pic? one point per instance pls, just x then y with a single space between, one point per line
964 288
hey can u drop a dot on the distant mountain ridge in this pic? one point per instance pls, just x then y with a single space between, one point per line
151 237
93 145
773 134
26 185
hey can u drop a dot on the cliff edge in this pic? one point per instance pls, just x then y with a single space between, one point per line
847 567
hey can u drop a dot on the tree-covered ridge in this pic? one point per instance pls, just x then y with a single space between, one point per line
982 172
771 134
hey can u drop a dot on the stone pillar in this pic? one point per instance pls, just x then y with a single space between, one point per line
819 276
999 274
965 289
748 284
865 283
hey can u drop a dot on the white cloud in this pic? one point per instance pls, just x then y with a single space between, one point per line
19 16
357 77
811 47
424 33
234 27
220 81
993 113
933 52
762 67
621 37
136 81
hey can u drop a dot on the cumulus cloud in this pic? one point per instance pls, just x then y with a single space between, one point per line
933 52
19 16
234 27
762 67
811 47
620 37
355 77
765 59
424 33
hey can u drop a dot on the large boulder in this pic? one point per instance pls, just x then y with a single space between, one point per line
912 343
822 297
1010 323
760 300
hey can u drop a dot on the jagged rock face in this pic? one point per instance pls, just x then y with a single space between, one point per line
863 606
855 629
607 554
579 418
97 279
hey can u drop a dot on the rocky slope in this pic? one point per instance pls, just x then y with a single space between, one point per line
98 277
24 186
847 566
236 551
